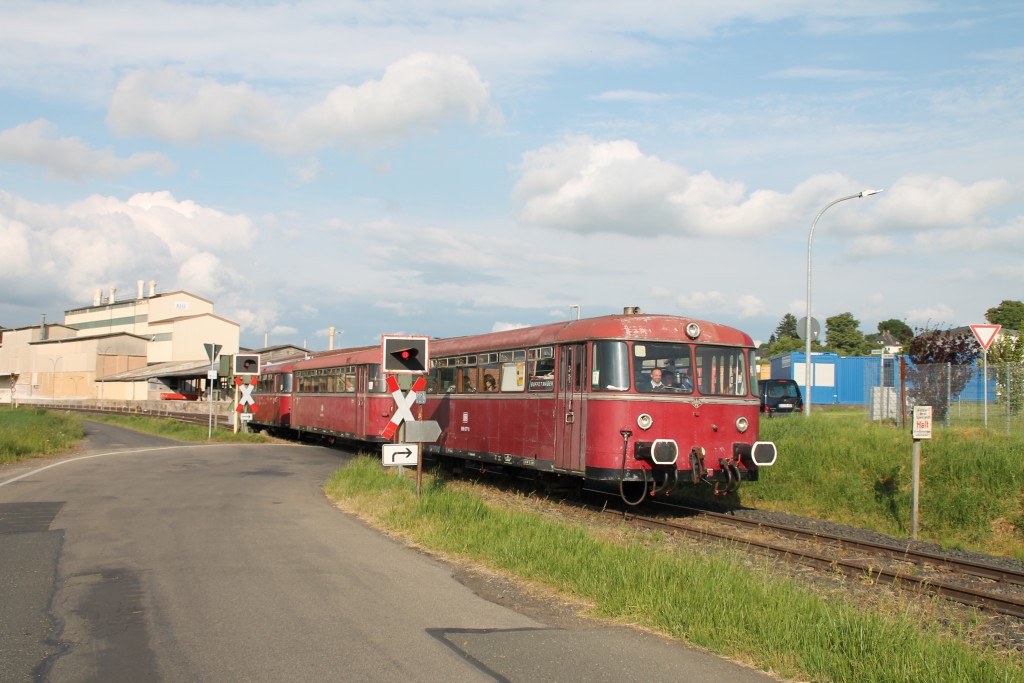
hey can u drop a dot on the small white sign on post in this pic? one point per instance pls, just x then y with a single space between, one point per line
922 422
399 454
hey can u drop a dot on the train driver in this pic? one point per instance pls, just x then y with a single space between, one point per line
656 384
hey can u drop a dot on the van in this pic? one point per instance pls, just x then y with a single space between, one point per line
779 396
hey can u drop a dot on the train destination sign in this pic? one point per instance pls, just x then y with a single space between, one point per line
399 454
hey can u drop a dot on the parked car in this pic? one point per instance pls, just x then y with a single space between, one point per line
780 396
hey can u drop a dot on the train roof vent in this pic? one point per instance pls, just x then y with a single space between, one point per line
631 310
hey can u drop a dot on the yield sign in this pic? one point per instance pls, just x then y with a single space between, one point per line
404 403
985 334
246 398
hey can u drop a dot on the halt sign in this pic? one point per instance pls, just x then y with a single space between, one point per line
922 422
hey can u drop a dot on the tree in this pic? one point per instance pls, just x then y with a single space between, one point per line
786 328
942 364
1006 361
1009 314
842 332
897 328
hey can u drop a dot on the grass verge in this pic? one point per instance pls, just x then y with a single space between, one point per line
28 433
32 433
753 617
179 431
837 466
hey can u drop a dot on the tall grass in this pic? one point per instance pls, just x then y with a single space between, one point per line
711 601
837 466
179 431
27 433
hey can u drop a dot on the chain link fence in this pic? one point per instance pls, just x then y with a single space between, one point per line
960 395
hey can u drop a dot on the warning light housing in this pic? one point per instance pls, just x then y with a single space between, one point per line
246 364
405 355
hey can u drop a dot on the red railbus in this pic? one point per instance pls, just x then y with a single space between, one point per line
645 401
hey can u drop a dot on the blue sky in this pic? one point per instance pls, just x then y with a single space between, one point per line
449 168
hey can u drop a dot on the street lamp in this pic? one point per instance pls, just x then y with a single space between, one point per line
53 376
807 320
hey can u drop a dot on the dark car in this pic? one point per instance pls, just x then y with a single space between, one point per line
780 396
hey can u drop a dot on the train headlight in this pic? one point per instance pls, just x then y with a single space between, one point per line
644 421
693 330
658 452
742 424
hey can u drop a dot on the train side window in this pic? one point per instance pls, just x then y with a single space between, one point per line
542 375
722 371
376 383
469 380
609 366
489 375
513 375
443 380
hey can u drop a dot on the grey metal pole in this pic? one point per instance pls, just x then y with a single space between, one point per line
807 321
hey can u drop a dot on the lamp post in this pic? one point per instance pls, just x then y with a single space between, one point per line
53 376
807 320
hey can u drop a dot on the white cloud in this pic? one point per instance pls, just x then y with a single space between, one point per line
421 92
937 315
504 327
928 201
70 158
701 302
102 241
749 306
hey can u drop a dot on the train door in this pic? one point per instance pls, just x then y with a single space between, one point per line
569 446
362 394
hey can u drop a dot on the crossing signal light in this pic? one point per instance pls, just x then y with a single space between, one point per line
246 364
405 355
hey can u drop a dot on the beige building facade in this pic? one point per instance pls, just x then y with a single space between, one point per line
145 348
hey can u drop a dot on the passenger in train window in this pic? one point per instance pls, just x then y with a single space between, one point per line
685 383
489 383
655 383
668 380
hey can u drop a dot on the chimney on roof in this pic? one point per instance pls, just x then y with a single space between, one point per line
330 338
43 333
152 288
141 284
97 297
113 291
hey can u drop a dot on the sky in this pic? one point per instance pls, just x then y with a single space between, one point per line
457 167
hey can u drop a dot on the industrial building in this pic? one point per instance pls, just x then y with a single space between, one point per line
146 347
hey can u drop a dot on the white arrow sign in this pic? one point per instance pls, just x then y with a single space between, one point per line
399 454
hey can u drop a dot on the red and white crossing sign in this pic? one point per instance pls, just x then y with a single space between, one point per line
246 398
985 334
404 403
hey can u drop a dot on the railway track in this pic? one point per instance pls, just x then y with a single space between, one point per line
986 586
220 421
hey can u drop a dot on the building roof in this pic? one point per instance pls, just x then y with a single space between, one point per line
177 368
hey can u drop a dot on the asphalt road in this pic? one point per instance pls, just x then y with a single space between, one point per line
141 559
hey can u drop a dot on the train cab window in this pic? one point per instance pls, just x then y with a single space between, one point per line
663 368
722 371
285 382
609 367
